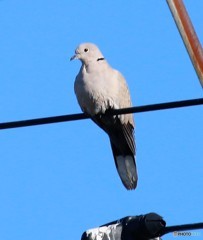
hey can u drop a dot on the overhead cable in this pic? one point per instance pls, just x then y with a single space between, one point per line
80 116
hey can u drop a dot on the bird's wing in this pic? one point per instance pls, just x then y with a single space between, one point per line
121 137
120 130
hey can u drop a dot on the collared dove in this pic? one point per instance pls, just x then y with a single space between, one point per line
99 88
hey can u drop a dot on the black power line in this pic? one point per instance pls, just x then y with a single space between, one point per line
80 116
142 227
178 228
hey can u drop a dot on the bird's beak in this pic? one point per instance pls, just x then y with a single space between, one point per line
74 57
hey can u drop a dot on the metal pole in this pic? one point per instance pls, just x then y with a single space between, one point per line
188 35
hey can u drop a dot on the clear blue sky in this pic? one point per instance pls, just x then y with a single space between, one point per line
59 180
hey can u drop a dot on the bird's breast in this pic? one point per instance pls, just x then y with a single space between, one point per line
95 95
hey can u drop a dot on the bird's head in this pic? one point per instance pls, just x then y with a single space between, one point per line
87 52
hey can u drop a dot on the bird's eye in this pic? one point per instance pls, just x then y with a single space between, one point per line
86 50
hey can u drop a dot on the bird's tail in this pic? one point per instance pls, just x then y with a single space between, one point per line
126 168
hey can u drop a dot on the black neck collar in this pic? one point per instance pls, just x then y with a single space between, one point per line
100 59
